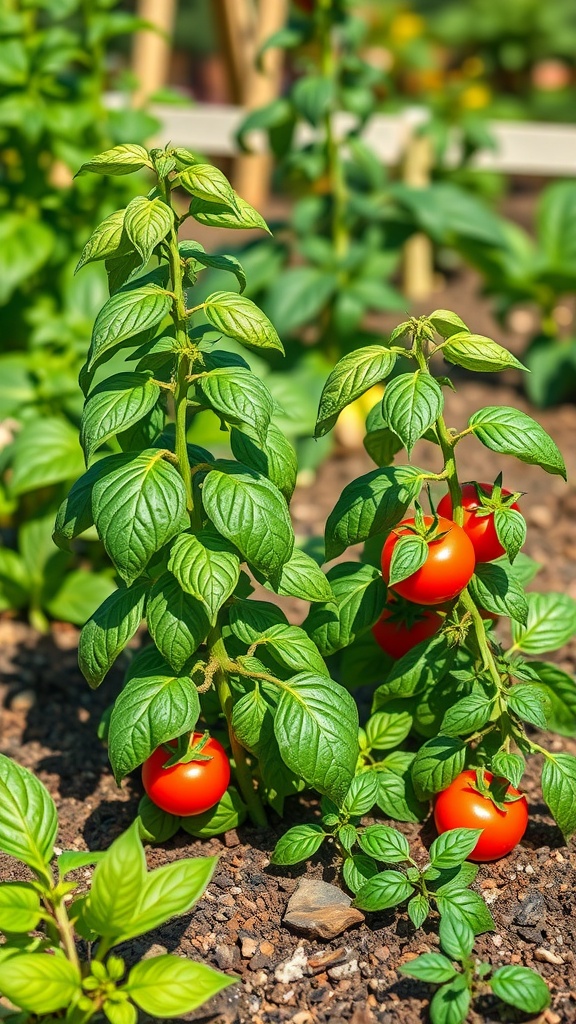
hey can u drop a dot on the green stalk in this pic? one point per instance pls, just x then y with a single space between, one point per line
329 67
256 810
66 933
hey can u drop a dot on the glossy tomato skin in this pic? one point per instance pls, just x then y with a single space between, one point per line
447 570
396 638
461 806
191 788
480 529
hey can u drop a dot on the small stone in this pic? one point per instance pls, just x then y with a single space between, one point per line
267 949
248 948
292 969
302 1017
23 701
346 970
382 953
529 869
532 909
231 839
548 957
330 958
224 957
321 909
552 1018
497 940
260 979
155 950
532 935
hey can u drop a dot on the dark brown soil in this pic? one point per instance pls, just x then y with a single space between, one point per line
48 720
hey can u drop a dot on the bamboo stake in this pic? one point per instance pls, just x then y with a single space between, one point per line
418 262
236 25
152 49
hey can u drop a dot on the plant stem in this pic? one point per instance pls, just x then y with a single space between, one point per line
447 447
217 651
66 932
329 67
487 656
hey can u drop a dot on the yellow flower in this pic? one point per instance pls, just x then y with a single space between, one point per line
406 26
474 97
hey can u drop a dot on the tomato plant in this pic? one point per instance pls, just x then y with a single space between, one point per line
483 802
401 626
487 510
192 785
439 550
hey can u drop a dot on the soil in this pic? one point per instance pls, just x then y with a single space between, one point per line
48 721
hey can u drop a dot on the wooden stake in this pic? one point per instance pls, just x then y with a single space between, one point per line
151 50
236 25
418 260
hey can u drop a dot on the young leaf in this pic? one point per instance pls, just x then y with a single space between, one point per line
105 240
117 885
19 907
384 843
530 703
299 843
124 315
387 729
384 890
359 595
431 967
370 505
412 402
316 725
495 588
177 621
474 352
511 530
108 630
240 397
467 715
509 766
28 819
456 937
240 216
275 457
396 795
357 870
157 825
168 986
408 556
38 983
301 577
205 567
147 222
190 250
121 160
169 891
453 846
155 706
208 183
139 503
551 622
228 813
450 1004
353 375
71 860
437 764
560 688
508 431
115 405
559 790
447 323
240 318
466 905
520 987
418 909
361 796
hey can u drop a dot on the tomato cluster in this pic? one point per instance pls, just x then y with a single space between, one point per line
188 787
479 528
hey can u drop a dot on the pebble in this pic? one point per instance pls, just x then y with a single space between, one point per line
532 909
224 957
548 957
330 958
248 948
346 970
321 909
292 969
302 1017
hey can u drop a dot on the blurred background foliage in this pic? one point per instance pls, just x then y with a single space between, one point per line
331 273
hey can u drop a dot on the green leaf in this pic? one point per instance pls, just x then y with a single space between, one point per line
495 588
299 843
559 790
221 215
147 222
418 909
316 725
312 96
352 376
372 504
115 405
190 250
248 510
169 891
79 594
302 577
468 906
555 217
381 443
467 715
524 568
357 870
474 352
450 1004
240 318
39 983
124 315
155 706
44 457
208 183
437 764
228 813
386 889
511 530
453 846
177 621
75 512
409 555
456 937
71 860
509 766
205 568
447 879
387 729
139 503
157 825
412 402
168 986
121 160
359 596
560 688
275 457
530 703
550 624
253 723
396 796
423 666
361 796
384 843
28 819
19 907
292 647
120 1013
298 296
107 632
431 967
508 431
117 885
105 240
446 322
239 397
250 619
520 987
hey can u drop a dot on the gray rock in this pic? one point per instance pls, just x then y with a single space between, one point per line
532 910
321 909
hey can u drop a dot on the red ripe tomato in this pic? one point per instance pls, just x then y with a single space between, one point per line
462 806
396 634
191 788
480 529
447 569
